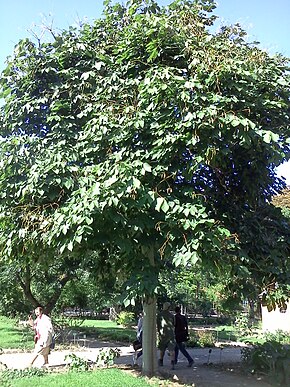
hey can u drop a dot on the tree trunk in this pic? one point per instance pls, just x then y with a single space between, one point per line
50 304
149 324
25 284
149 338
113 313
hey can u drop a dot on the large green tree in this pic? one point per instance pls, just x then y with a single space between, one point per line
150 137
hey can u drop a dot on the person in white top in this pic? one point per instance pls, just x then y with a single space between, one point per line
43 335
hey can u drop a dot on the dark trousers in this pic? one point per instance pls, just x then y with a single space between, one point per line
181 347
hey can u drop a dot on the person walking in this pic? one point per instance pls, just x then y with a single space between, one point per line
43 335
165 326
137 353
181 335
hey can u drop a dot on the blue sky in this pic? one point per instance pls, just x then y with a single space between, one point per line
266 21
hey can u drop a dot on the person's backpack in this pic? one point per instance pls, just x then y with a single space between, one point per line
53 335
137 345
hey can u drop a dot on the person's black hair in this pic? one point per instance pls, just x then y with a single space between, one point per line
177 309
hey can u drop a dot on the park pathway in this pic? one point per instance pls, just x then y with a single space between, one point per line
215 368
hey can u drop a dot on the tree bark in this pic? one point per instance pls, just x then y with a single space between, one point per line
114 311
149 326
149 338
56 295
25 284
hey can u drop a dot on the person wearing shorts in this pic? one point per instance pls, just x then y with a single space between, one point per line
43 335
165 326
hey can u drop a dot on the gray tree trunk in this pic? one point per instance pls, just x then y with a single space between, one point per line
114 311
149 358
149 338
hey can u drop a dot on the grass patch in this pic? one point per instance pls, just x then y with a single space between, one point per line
13 336
226 332
99 378
101 324
124 335
104 330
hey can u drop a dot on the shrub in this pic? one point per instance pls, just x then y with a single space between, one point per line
125 319
260 338
279 336
201 339
270 358
106 356
243 325
77 364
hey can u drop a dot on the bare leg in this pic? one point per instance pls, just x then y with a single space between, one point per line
33 360
45 357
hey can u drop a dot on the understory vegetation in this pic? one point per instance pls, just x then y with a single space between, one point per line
103 377
267 354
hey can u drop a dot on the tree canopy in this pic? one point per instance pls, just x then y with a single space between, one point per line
150 137
153 135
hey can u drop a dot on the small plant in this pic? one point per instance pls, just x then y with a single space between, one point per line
77 364
202 339
125 319
279 336
8 375
106 356
242 324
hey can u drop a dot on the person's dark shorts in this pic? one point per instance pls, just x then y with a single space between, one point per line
166 342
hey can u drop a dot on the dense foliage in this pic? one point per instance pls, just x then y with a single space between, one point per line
151 140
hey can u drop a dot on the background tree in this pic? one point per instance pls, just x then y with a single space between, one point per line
283 201
148 136
199 290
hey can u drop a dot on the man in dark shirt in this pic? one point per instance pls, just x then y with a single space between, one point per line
181 335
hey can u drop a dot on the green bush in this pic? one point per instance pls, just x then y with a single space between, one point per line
77 364
270 358
126 319
260 338
279 336
201 339
106 356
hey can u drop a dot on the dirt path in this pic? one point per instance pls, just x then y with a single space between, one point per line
215 368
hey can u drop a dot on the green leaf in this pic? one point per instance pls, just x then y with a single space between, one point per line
147 167
78 238
159 202
164 206
70 246
235 122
